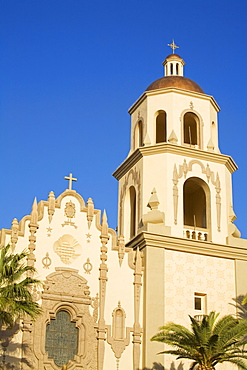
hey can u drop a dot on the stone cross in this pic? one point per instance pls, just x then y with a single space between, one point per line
70 178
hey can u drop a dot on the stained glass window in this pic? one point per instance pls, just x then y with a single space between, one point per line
61 339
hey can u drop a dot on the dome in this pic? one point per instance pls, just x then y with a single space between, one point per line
179 82
173 56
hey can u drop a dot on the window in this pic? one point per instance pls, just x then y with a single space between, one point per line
138 135
171 68
132 211
61 339
191 129
161 127
200 303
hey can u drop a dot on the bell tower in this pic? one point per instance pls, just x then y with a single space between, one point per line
175 199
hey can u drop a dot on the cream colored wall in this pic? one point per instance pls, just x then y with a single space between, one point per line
186 274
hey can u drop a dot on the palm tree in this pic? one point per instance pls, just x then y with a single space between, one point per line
208 343
15 287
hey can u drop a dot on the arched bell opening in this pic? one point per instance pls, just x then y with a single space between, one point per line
130 213
161 127
196 205
191 130
138 135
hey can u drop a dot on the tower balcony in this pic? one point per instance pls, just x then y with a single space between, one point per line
190 232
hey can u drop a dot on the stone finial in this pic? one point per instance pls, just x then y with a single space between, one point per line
147 140
14 232
153 201
121 249
210 145
34 213
104 231
90 211
173 138
51 205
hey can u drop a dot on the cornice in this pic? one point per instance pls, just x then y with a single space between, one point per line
173 90
148 239
168 148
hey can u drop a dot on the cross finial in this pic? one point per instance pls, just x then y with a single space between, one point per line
70 178
173 46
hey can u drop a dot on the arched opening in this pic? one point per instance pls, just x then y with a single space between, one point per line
196 202
132 198
191 129
161 127
171 68
177 68
119 324
138 135
61 339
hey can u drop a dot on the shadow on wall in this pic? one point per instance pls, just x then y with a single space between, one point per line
158 366
7 359
241 308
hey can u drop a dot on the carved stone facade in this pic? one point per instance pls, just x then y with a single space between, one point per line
66 290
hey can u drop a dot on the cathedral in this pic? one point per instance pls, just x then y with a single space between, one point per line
176 251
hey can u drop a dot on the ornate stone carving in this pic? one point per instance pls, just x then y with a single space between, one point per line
137 331
95 305
121 249
49 230
120 337
90 211
14 232
88 266
33 227
102 290
66 290
46 261
183 170
51 205
69 212
69 209
67 248
88 237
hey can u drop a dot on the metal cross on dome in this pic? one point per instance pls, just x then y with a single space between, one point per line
173 46
70 178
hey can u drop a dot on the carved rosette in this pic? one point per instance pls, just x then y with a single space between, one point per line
67 248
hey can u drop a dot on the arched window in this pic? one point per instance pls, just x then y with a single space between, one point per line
161 127
61 339
138 135
191 129
118 324
196 199
132 194
171 67
177 65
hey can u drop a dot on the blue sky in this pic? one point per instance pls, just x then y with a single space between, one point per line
69 71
